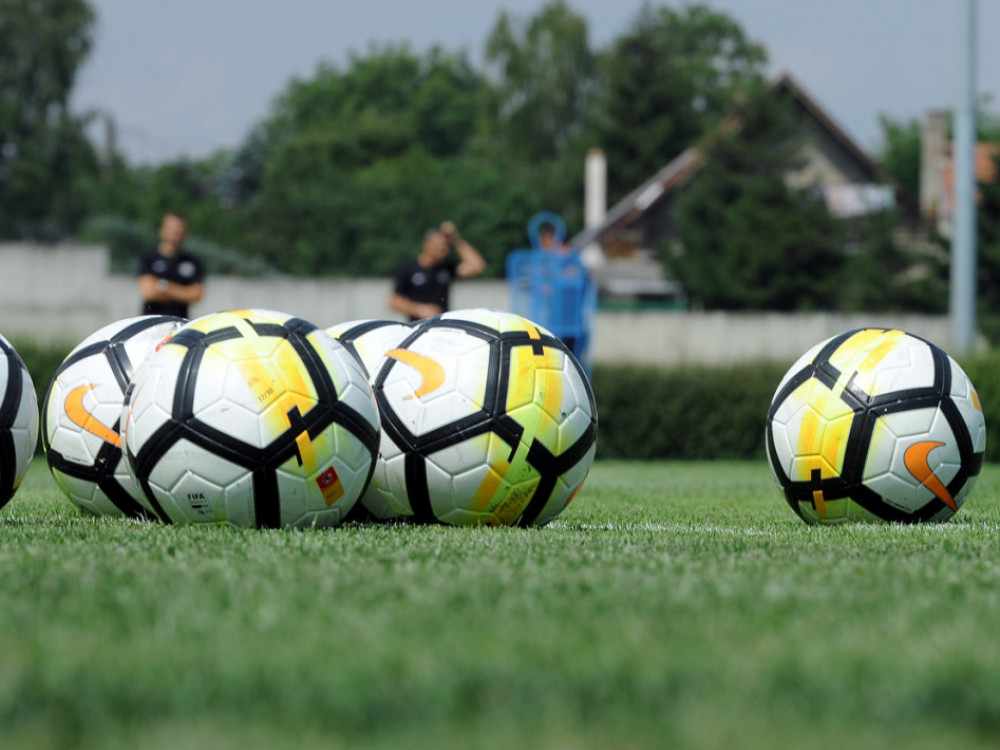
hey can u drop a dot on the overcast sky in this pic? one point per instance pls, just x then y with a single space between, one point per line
187 77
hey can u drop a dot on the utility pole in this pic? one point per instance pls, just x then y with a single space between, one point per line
963 236
110 146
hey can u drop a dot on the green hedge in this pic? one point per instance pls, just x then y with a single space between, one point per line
685 413
42 361
719 413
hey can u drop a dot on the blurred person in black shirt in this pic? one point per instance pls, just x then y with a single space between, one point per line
169 278
422 285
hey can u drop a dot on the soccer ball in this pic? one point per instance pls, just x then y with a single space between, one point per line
251 418
487 419
18 421
82 412
875 425
369 340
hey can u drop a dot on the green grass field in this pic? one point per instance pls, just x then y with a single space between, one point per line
672 605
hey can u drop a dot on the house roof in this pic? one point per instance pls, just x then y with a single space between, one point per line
788 84
637 202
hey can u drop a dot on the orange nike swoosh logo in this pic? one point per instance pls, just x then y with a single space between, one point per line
916 462
432 372
82 418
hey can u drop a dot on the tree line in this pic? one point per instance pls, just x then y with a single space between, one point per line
349 165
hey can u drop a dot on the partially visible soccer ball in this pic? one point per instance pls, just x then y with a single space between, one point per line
875 425
369 340
486 420
82 412
251 418
18 421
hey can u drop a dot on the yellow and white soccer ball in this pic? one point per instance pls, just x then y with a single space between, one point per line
82 412
875 425
251 418
18 420
486 419
369 339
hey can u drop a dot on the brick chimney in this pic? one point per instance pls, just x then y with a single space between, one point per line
934 157
595 202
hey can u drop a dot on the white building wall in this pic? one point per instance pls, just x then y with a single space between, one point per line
61 294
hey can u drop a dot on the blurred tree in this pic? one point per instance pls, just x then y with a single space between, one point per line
882 274
353 159
473 193
746 239
315 218
127 211
45 158
900 153
543 74
988 121
384 103
671 78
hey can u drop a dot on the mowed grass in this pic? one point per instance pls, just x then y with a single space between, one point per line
672 605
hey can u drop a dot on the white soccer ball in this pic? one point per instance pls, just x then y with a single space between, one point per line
369 340
18 421
875 425
251 418
82 413
486 419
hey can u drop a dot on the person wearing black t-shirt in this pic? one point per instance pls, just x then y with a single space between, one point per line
422 285
170 279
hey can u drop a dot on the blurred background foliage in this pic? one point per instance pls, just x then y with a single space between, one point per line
349 165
